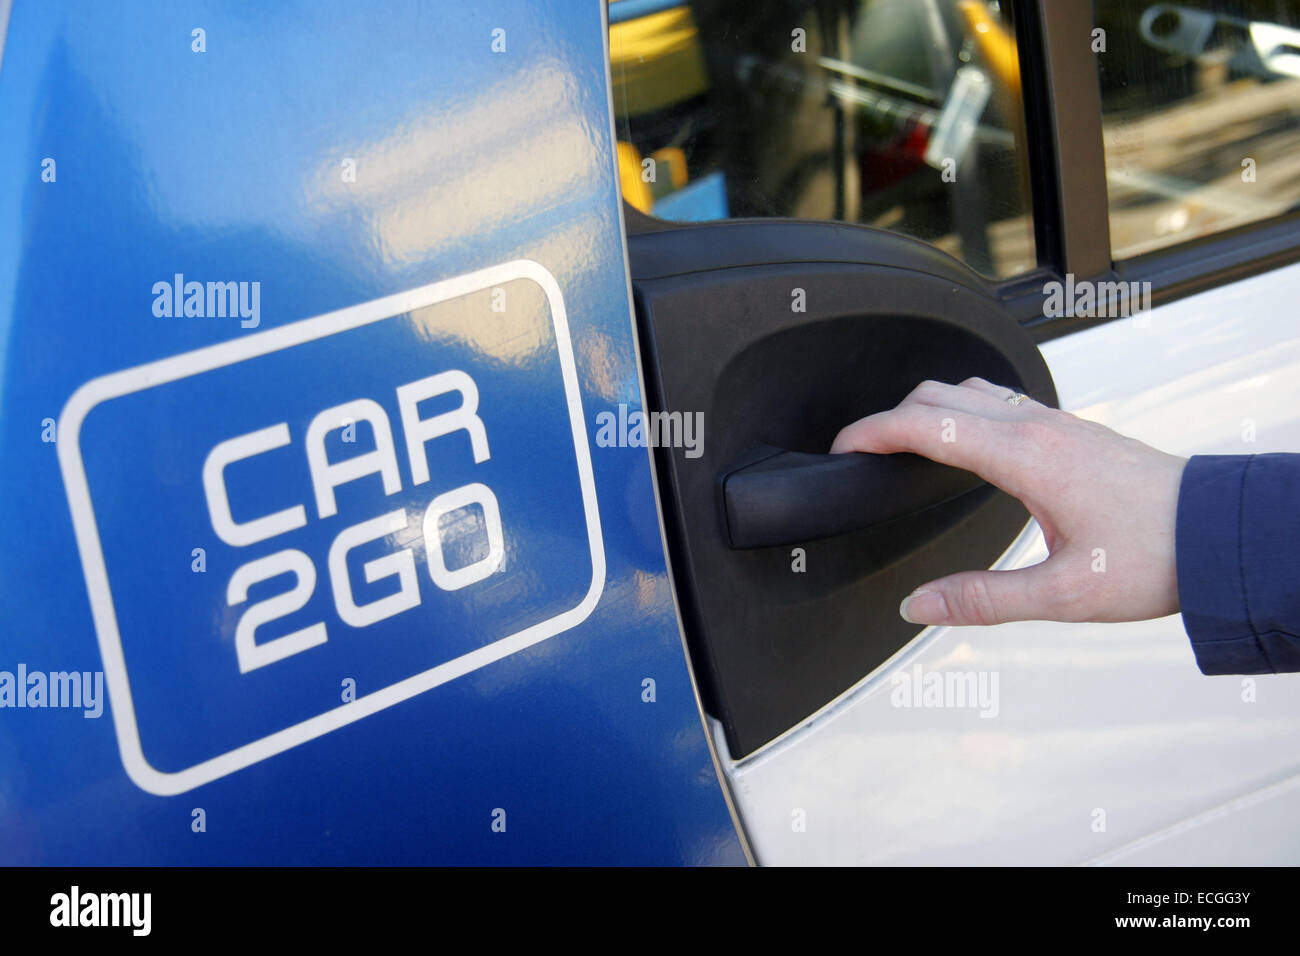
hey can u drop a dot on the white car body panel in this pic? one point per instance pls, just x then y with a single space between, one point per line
1091 719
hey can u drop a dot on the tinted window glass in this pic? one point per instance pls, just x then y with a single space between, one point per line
901 114
1200 115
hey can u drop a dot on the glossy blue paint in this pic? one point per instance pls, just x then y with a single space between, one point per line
236 165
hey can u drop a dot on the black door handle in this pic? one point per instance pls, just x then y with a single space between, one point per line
772 496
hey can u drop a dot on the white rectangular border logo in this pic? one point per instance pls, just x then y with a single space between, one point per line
211 357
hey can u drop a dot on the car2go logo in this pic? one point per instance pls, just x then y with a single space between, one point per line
326 476
397 493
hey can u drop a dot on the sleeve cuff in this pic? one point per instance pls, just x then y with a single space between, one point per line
1238 553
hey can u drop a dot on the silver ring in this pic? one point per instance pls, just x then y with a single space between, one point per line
1015 398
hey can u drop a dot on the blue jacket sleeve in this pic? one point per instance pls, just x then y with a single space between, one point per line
1238 554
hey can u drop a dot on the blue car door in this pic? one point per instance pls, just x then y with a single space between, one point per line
308 317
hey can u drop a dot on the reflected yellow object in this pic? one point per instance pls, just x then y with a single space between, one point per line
997 45
669 168
674 159
656 61
635 190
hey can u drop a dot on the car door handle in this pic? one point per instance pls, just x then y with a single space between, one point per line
772 496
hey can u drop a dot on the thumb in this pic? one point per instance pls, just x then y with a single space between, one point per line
983 598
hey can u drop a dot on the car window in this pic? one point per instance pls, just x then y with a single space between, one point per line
900 114
1200 116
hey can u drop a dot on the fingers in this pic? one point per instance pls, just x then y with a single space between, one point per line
992 449
978 384
974 395
987 597
970 426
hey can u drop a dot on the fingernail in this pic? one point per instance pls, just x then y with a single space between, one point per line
924 607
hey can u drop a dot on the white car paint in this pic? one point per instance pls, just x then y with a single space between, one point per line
1108 745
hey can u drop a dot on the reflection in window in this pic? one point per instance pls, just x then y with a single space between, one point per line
901 114
1201 116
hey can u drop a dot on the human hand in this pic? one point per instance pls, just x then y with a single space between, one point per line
1107 506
